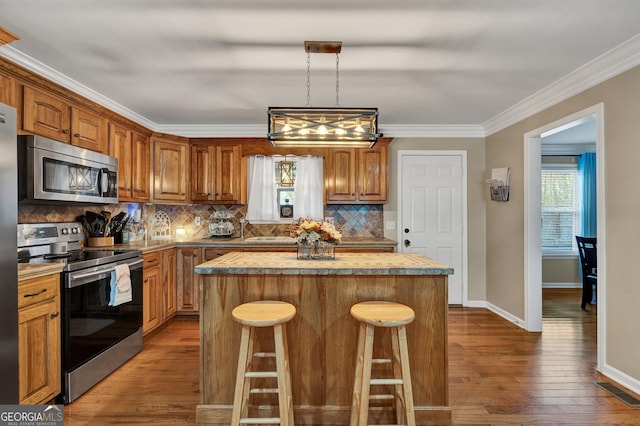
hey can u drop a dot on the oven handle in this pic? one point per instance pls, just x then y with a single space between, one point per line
100 272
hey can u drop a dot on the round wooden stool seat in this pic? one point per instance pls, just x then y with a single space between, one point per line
383 314
264 313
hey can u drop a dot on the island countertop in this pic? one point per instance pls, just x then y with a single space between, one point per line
343 264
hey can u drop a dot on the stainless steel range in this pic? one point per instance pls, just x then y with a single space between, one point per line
97 338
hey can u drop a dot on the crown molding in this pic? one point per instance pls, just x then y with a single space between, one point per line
43 70
608 65
215 130
433 131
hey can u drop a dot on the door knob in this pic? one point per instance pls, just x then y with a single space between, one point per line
406 230
407 243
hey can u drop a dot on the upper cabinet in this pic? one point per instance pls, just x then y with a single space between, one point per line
357 175
132 150
47 115
7 90
170 170
217 174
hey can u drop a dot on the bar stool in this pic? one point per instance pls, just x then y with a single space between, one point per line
265 313
389 315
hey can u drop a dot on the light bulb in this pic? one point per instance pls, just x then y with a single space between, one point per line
322 130
286 127
340 131
304 131
358 128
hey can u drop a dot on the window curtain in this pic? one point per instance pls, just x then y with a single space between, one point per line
587 173
261 189
308 189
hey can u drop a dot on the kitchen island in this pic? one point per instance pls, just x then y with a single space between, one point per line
322 337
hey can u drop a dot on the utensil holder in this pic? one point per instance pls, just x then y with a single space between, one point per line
99 241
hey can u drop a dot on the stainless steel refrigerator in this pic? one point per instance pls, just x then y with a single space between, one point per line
8 256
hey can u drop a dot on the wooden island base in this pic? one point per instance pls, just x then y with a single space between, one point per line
322 338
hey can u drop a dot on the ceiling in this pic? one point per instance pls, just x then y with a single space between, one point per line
211 68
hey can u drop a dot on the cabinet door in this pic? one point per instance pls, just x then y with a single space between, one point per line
89 130
340 175
7 87
228 174
169 284
372 174
202 173
120 147
170 171
46 115
188 280
39 352
151 298
140 166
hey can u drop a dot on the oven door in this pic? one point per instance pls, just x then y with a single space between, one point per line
89 325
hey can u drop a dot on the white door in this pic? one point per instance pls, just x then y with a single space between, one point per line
431 211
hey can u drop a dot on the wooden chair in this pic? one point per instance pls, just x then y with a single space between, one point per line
264 313
394 316
588 250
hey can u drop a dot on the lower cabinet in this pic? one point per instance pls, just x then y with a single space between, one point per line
151 291
188 281
39 360
169 288
159 288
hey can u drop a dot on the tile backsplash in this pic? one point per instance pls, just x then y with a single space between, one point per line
356 220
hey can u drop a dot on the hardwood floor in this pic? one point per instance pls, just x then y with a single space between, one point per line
499 374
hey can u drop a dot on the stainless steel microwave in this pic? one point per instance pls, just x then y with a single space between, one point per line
55 171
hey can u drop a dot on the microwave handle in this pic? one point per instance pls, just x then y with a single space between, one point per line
104 181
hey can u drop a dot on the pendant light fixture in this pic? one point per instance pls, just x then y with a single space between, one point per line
323 127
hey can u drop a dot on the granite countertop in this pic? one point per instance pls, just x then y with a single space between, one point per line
240 263
34 270
154 245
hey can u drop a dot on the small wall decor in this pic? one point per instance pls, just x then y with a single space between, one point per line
160 226
499 184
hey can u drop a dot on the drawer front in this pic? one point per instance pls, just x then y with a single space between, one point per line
152 259
213 253
38 289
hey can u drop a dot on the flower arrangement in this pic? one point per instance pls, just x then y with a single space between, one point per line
308 231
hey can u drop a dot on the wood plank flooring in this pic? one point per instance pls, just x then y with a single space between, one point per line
498 374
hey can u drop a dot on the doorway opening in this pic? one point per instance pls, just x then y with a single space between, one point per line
533 147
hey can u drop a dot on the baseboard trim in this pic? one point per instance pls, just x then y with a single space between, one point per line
622 378
561 285
506 315
475 304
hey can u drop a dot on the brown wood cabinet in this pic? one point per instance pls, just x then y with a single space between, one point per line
151 291
217 174
170 171
188 281
7 90
357 175
169 285
39 361
132 150
47 115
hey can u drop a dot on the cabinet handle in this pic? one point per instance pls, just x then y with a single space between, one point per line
182 193
65 131
55 314
147 280
353 194
76 135
36 293
194 255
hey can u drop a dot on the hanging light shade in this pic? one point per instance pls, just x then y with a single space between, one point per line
323 127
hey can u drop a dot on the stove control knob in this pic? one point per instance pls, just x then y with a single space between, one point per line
74 230
65 231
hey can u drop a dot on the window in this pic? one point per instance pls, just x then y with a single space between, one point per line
560 207
281 189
